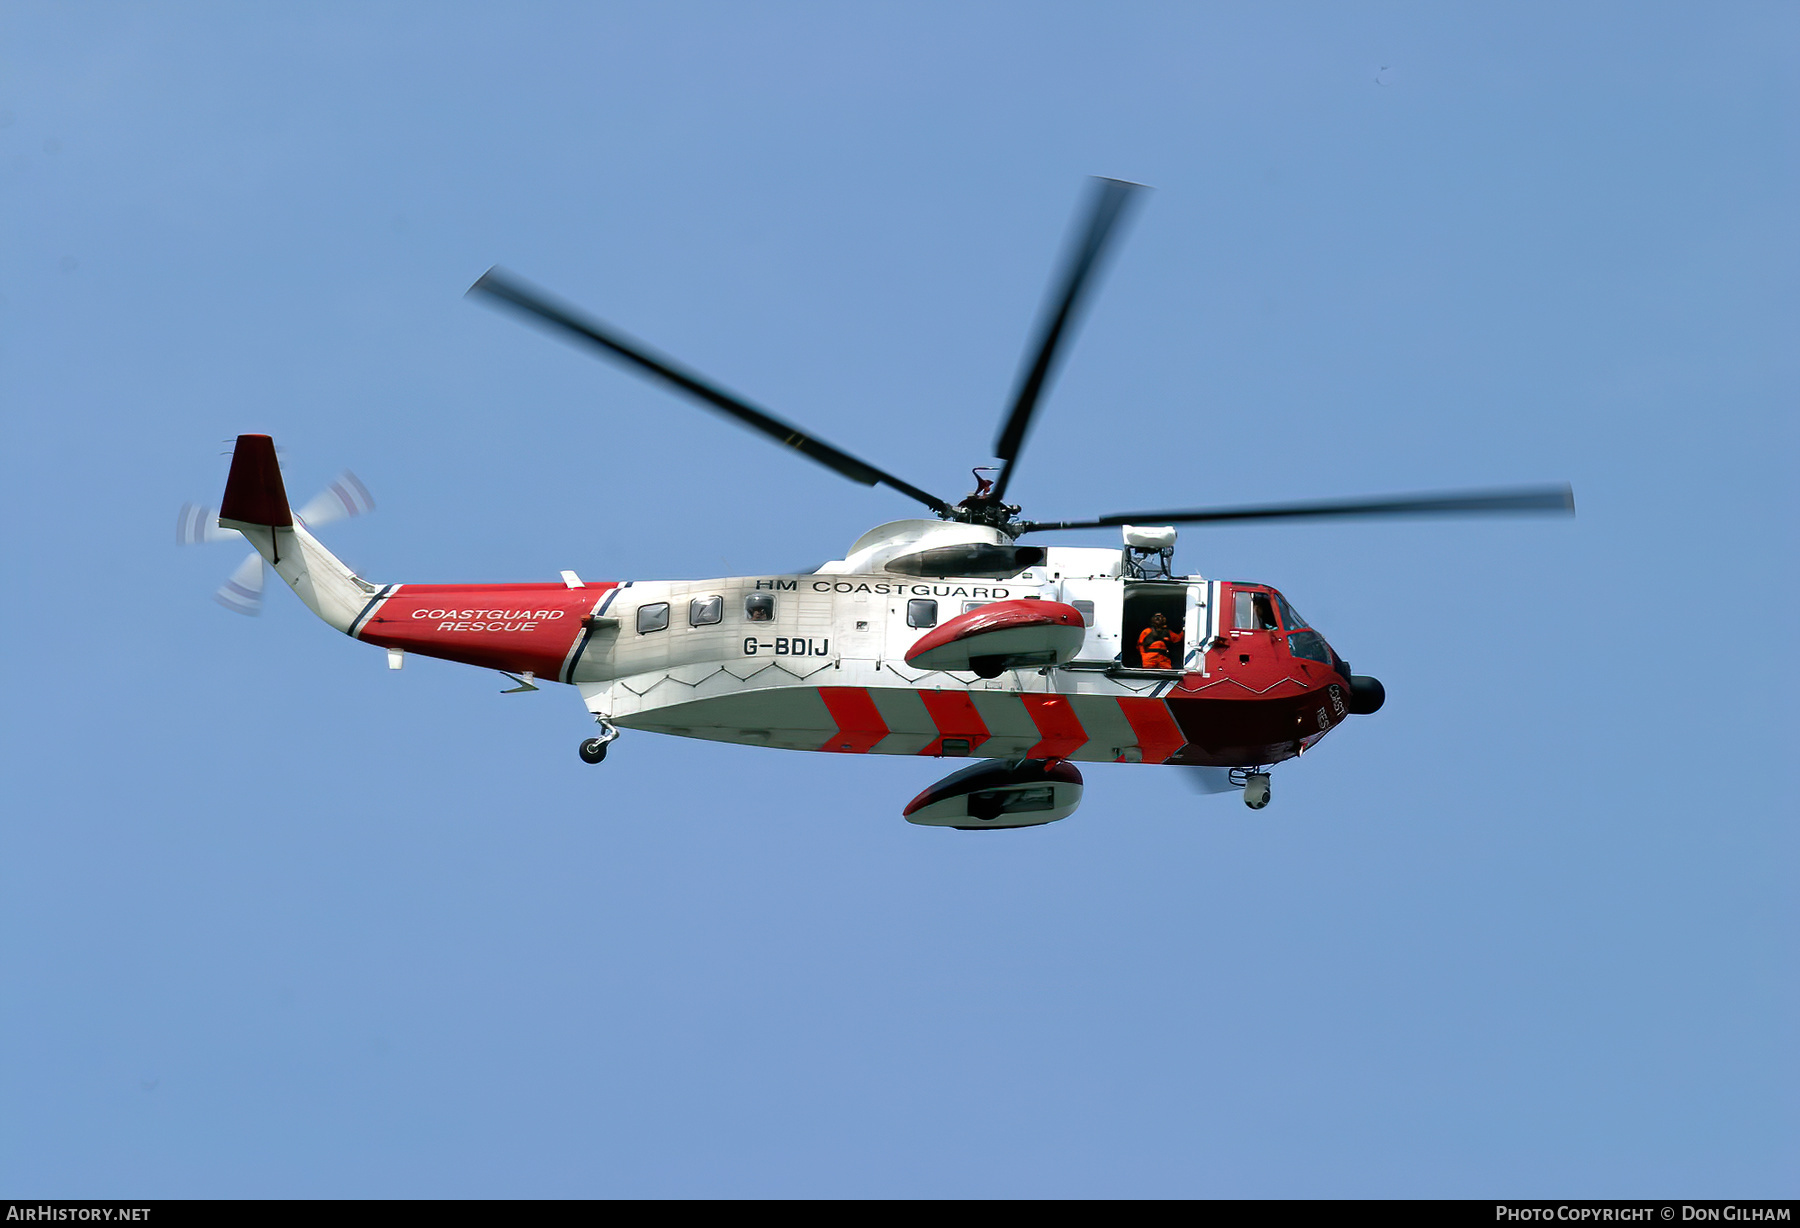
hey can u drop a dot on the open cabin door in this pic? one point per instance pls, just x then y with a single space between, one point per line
1164 624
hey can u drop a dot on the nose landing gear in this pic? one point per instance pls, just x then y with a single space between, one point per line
1255 785
594 749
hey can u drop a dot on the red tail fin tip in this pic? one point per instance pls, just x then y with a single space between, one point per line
254 493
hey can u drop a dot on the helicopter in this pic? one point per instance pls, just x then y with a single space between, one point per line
942 636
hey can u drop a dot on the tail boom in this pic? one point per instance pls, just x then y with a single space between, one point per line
537 629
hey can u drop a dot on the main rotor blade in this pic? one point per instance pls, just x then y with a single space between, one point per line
1480 502
616 345
1109 198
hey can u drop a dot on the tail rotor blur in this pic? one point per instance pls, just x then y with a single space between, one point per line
197 525
242 593
344 498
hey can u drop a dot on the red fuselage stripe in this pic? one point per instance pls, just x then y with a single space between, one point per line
953 712
1158 736
1059 730
519 628
859 725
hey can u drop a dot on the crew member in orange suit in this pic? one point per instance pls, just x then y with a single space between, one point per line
1158 646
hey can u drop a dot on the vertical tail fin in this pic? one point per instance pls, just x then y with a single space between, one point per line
254 493
256 505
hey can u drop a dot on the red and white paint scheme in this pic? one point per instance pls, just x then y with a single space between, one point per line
852 661
941 638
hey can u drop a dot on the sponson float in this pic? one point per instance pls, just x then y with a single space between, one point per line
1001 635
938 638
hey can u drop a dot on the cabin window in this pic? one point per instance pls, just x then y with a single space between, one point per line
760 607
653 618
705 611
921 612
1086 610
1252 611
974 605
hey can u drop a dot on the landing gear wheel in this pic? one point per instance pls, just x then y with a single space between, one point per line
1256 790
593 750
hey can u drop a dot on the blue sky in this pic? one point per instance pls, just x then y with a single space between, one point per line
279 922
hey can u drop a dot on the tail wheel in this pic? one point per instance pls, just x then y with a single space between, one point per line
593 750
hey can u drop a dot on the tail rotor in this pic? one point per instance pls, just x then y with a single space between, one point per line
344 498
197 525
242 593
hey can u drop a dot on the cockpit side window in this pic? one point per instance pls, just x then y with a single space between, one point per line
1252 611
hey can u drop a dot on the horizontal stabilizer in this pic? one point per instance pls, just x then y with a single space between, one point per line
254 493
